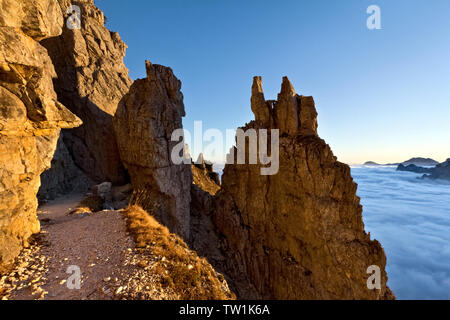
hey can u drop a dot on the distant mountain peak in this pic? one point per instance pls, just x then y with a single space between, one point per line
418 161
371 163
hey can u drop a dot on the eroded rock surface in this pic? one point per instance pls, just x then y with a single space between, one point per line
298 234
92 79
291 113
30 116
144 123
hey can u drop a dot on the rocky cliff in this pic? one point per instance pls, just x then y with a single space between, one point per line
298 234
30 116
144 122
91 81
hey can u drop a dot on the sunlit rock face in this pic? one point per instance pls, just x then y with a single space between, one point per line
144 122
30 116
298 234
92 79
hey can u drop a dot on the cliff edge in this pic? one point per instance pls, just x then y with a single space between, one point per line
298 234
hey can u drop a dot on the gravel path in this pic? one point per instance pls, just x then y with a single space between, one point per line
96 244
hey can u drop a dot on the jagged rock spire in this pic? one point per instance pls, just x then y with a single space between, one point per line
287 108
291 113
297 234
259 105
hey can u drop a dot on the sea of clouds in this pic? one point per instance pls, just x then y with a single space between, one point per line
411 219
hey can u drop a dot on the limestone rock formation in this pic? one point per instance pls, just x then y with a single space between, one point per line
92 79
291 113
298 234
144 123
30 116
39 19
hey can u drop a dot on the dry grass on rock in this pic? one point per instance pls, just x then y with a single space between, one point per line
179 268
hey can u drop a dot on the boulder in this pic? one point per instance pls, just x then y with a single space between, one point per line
104 192
121 196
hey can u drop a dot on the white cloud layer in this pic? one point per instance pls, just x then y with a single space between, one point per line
411 219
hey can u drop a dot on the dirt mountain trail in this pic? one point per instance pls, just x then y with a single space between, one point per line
96 244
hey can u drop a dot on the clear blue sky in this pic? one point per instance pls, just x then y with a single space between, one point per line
381 95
